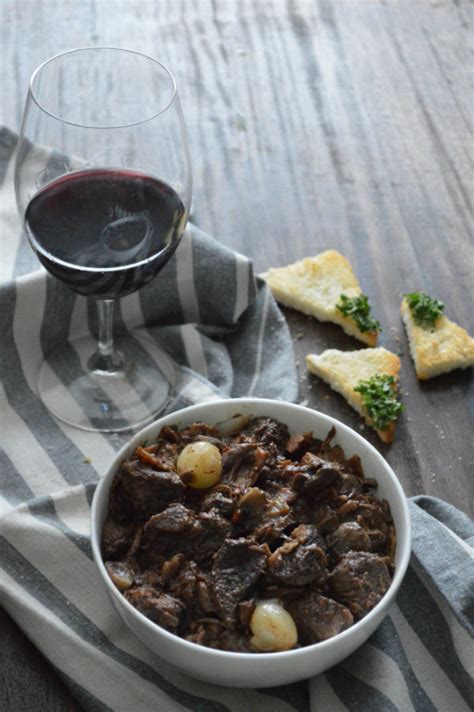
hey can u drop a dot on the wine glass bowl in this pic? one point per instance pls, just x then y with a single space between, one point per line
103 184
105 232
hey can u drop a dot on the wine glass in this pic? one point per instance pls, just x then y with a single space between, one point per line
103 184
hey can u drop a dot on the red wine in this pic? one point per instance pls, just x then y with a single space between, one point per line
105 233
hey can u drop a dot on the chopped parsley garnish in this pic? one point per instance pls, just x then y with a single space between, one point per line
379 401
424 310
358 308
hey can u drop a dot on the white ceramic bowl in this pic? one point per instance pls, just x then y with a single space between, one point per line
260 669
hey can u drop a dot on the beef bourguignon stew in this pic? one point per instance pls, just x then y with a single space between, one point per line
253 541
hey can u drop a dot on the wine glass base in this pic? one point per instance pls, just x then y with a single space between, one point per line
76 390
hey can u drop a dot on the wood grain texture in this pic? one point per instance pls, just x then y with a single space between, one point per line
336 123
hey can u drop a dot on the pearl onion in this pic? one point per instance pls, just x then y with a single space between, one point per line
204 460
273 628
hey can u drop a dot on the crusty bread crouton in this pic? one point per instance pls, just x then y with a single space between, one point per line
434 351
314 286
344 370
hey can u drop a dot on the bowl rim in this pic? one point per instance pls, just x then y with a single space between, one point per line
189 646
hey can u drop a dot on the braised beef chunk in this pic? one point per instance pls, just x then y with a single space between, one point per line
273 531
192 586
214 531
359 581
237 567
250 512
145 491
350 485
278 473
234 458
379 541
318 617
241 464
325 518
315 476
117 538
219 501
184 586
279 517
158 607
374 512
291 519
172 531
266 432
349 536
301 560
179 530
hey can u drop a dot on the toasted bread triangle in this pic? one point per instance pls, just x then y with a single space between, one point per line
446 347
314 286
343 371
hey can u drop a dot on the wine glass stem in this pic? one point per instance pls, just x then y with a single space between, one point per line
106 359
105 312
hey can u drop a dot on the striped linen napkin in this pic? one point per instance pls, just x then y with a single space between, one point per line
418 659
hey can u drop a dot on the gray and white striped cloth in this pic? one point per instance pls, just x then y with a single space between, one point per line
420 658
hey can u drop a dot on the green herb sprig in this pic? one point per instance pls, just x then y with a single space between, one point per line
425 310
379 401
358 308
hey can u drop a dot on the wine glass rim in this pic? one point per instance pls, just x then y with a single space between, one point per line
102 47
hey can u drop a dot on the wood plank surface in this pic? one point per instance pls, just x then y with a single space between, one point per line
338 123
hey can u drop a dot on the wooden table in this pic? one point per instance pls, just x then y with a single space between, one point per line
338 123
